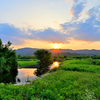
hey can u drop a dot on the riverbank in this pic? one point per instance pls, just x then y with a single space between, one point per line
23 63
73 80
31 66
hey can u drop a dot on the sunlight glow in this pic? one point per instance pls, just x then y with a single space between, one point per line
56 46
56 64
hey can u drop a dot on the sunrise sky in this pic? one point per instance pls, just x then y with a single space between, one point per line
69 24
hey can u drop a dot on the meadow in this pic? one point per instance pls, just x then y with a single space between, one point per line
26 62
74 80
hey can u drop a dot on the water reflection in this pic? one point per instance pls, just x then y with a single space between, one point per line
24 72
41 71
24 75
55 64
20 76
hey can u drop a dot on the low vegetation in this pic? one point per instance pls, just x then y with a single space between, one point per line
73 80
82 65
26 62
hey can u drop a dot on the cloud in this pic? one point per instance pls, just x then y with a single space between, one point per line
75 1
18 36
10 33
49 35
88 30
76 9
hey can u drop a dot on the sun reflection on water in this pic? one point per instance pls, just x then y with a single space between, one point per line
55 64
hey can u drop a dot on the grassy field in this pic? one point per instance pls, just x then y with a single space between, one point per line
73 80
80 65
26 62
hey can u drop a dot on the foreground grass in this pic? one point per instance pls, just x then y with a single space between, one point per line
59 85
26 62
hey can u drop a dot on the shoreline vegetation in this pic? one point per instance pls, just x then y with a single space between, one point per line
73 79
31 66
26 63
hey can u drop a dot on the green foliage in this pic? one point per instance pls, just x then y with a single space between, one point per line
73 80
44 56
19 56
47 94
27 57
79 65
8 58
96 62
2 63
66 84
9 77
11 92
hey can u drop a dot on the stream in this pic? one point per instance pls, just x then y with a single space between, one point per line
26 75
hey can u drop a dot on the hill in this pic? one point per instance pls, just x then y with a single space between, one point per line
26 51
69 52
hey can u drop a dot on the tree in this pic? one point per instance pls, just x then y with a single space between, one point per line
8 58
45 58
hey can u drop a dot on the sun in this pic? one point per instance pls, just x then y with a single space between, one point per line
56 50
56 47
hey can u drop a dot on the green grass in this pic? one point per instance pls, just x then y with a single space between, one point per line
60 85
73 80
79 65
12 92
26 62
67 85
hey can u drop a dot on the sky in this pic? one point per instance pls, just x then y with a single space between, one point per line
66 24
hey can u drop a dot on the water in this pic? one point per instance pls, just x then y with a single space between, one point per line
25 75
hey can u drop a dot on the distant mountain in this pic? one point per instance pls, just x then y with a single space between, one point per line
30 51
26 51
